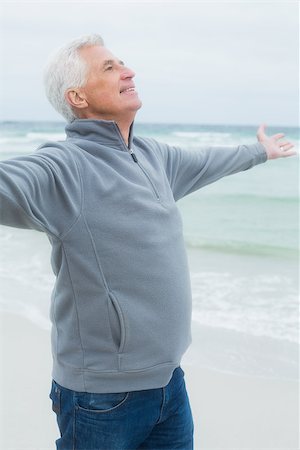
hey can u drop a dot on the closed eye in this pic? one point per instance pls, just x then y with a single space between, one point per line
110 63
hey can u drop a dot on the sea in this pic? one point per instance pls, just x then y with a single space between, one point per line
242 240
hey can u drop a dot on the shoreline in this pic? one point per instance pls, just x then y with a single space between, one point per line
230 411
236 353
220 349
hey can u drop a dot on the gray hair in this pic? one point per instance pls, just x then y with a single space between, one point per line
66 69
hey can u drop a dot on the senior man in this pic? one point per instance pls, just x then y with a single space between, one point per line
121 305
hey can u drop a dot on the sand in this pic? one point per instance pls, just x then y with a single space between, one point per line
230 411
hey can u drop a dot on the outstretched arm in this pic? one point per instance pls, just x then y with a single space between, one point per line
40 191
189 170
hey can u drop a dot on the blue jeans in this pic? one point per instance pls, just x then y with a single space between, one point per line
149 419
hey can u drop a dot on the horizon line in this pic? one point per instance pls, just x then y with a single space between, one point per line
137 122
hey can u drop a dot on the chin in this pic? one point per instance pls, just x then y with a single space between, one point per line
139 103
136 106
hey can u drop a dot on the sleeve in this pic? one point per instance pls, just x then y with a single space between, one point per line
41 191
189 170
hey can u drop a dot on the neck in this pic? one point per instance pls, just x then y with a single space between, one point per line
124 128
123 123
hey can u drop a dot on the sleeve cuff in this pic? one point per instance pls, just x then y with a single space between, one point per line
259 152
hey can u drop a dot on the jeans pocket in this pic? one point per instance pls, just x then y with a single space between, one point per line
55 396
100 403
182 371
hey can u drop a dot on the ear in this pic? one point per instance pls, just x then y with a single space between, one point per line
76 98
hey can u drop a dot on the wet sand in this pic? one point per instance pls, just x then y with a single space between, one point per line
230 411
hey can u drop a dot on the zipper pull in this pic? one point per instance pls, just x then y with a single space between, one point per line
133 155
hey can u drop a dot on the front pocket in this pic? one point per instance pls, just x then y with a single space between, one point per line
116 320
100 403
55 395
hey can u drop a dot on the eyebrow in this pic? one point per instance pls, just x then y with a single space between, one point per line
109 62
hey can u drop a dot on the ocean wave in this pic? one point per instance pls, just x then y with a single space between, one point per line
30 312
258 196
255 304
241 248
31 137
11 146
201 134
45 136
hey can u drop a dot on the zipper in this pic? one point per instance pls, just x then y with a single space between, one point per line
149 179
134 157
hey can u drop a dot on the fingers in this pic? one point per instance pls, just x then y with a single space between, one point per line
286 147
277 136
261 129
283 145
289 153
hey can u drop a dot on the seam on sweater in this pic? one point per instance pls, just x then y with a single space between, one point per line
163 163
31 217
96 254
76 310
64 234
105 284
53 299
116 371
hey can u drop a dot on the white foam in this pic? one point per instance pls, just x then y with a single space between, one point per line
28 142
28 311
33 136
259 305
201 135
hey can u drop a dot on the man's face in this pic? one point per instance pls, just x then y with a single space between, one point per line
109 90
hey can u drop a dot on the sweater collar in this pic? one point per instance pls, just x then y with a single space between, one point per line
100 131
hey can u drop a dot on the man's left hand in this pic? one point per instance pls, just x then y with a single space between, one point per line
274 147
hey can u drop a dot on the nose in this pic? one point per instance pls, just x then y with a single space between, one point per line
127 73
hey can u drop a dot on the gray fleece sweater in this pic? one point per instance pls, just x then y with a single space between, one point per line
121 305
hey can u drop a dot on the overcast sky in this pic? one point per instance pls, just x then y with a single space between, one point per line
219 62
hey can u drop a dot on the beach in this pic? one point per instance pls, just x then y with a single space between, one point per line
243 387
242 368
230 411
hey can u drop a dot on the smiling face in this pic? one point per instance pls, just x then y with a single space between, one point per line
109 92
